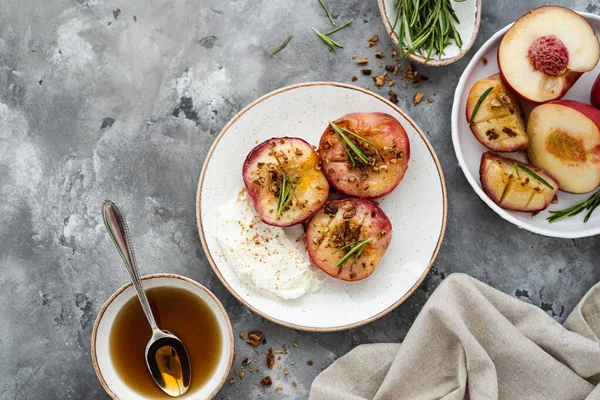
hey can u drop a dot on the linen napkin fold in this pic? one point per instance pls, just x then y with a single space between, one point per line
471 341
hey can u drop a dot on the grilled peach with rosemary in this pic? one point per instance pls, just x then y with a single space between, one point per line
364 154
284 180
495 116
347 238
514 185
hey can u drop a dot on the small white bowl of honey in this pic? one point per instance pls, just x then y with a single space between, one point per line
180 306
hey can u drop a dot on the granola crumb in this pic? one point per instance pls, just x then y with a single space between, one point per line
278 351
378 54
391 83
294 384
362 61
366 71
380 80
242 335
278 389
418 97
393 97
295 344
231 381
430 99
484 61
285 372
354 77
404 85
354 56
309 363
246 361
293 363
242 375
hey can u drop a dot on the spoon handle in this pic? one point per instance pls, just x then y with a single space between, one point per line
117 228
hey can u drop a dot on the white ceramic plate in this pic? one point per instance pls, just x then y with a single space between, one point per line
469 150
417 207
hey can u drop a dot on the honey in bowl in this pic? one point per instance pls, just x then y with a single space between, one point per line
178 311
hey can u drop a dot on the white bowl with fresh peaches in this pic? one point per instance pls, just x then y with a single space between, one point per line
523 129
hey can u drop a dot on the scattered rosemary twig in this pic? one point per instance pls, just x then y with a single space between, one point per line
277 50
590 205
425 26
349 146
327 11
286 191
533 175
345 24
330 42
478 104
357 247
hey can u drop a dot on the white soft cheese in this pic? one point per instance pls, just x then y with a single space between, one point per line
269 259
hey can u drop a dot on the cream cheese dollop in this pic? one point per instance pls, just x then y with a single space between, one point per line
269 259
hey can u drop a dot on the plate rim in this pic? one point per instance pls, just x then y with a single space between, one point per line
209 256
460 89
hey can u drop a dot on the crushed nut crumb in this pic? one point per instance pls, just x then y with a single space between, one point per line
270 359
366 71
362 61
255 338
372 41
354 77
294 384
266 381
309 363
418 97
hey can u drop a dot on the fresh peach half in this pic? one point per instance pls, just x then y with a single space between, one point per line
510 184
544 53
348 237
284 180
499 123
564 140
386 151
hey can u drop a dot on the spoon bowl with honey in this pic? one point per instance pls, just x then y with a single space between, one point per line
166 356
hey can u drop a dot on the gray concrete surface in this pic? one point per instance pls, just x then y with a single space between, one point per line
122 99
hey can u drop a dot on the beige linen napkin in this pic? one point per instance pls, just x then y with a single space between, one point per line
471 341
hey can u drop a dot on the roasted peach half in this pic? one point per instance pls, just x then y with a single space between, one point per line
364 154
348 237
514 185
498 123
544 53
564 140
284 180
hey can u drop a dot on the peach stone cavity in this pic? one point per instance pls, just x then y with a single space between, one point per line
549 55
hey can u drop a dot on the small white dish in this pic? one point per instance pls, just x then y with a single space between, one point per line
469 150
469 15
417 207
100 350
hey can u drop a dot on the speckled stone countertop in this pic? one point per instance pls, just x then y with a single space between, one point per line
122 99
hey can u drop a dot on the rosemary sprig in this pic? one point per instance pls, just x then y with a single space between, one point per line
277 50
358 248
590 205
286 191
533 175
328 41
327 11
478 104
425 26
345 24
349 146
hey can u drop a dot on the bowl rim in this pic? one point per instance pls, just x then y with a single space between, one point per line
460 89
216 268
385 18
109 301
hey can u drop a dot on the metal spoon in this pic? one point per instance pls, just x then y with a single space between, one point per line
166 356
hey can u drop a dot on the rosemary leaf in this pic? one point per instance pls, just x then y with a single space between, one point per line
345 24
329 42
536 176
356 248
286 192
277 50
348 145
478 104
517 169
327 11
590 204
